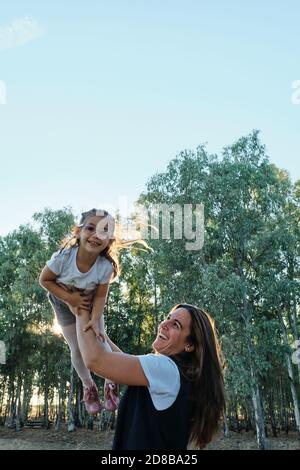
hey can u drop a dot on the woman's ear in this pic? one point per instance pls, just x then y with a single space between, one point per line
189 348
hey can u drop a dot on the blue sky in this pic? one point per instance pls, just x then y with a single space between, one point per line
100 95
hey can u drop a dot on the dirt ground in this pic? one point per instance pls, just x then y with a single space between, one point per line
82 439
50 439
247 441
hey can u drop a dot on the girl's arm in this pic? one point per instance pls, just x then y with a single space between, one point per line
73 299
116 366
48 281
99 300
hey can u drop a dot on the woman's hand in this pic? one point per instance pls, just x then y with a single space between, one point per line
78 301
93 324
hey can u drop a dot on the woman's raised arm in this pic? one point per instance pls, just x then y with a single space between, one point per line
116 366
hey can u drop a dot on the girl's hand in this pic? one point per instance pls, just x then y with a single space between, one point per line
93 324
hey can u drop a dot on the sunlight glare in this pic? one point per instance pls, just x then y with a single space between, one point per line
56 328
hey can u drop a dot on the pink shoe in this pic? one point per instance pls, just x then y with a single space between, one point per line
91 400
111 396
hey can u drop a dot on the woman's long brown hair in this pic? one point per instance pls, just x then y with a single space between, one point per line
203 367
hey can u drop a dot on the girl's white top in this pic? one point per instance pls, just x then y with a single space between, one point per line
63 264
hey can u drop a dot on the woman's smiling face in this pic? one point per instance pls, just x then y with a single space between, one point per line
173 333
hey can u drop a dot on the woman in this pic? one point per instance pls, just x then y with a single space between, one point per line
174 396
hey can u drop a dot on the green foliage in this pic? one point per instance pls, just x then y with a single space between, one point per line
246 276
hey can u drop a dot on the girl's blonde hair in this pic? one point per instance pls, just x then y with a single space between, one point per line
111 252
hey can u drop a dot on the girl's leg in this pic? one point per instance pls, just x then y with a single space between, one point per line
70 336
90 391
111 390
102 330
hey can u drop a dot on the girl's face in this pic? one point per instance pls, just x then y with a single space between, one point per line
91 240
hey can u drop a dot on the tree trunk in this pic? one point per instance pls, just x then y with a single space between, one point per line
18 405
255 392
283 409
258 413
71 421
59 410
79 408
226 427
295 328
250 421
90 422
3 390
46 407
237 419
291 377
26 398
272 414
9 421
293 319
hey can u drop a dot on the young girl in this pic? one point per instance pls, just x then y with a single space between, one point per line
77 278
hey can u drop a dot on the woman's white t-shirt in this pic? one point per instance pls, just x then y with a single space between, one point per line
63 264
164 379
